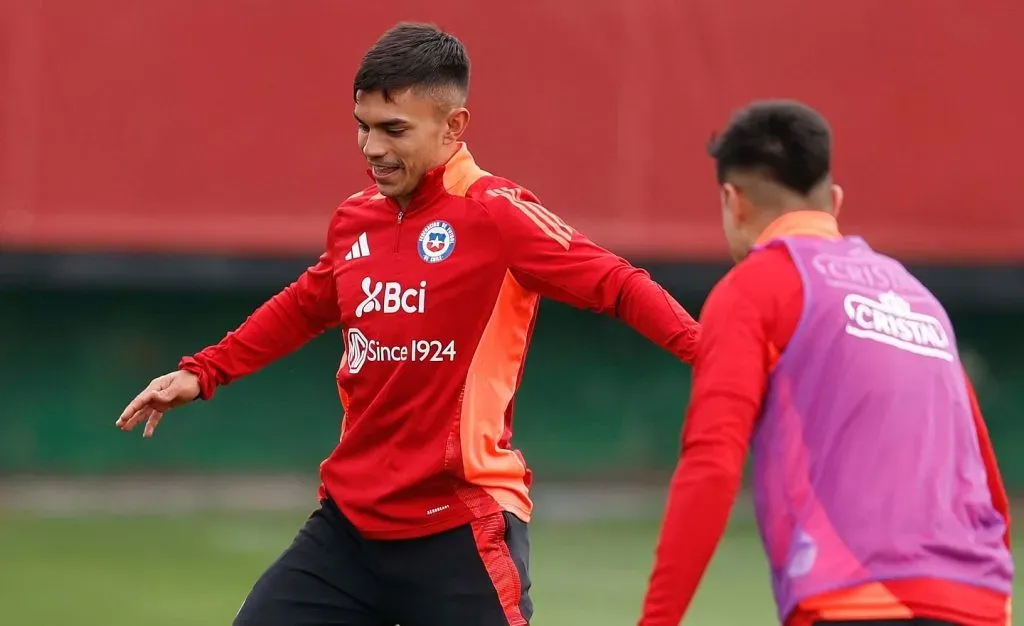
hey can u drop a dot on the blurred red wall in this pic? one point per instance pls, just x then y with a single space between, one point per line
216 125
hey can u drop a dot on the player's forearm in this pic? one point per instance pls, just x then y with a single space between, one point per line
696 515
701 494
651 311
275 329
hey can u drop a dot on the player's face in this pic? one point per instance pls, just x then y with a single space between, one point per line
405 137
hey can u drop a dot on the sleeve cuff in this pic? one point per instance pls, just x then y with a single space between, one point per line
207 385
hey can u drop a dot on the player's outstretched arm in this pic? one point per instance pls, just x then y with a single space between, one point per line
280 326
548 256
729 380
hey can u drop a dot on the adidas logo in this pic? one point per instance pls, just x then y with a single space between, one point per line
359 249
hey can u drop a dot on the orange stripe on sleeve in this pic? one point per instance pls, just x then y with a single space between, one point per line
546 221
556 222
515 195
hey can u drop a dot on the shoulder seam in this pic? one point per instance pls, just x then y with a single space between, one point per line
478 188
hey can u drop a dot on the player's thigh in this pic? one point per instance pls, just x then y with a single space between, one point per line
320 579
476 575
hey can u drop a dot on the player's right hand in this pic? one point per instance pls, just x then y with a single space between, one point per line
163 394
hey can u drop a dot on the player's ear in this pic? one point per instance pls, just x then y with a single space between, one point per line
457 120
837 200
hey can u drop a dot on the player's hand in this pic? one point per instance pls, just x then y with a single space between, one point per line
163 394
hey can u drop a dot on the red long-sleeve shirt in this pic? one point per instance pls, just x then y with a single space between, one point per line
437 304
747 321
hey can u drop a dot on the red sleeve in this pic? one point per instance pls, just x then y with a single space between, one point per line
752 311
300 312
995 481
551 258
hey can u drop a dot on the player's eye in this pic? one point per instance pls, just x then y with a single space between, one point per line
363 128
396 132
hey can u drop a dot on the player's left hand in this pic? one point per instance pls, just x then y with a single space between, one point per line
163 394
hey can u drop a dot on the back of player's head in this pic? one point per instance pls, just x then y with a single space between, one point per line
415 56
781 141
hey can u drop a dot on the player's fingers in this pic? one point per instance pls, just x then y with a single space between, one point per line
140 402
137 418
128 423
151 423
131 415
151 398
126 414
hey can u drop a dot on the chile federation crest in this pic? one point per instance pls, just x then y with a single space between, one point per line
437 240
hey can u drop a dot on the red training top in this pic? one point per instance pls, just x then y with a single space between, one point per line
746 323
437 304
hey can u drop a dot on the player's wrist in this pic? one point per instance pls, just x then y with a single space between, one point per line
207 385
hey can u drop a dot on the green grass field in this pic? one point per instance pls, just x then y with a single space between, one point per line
196 569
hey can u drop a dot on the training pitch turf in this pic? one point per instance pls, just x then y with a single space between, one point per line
195 570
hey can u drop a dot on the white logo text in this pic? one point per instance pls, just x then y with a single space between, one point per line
889 320
391 297
359 350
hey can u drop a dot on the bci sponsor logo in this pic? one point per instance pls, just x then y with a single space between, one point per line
391 297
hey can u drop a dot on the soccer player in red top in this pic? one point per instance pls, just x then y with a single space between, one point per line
877 492
433 274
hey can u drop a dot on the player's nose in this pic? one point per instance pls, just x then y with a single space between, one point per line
375 147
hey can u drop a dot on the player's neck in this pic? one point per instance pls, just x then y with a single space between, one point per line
448 152
446 155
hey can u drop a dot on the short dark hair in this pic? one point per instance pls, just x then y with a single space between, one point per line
413 55
784 141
